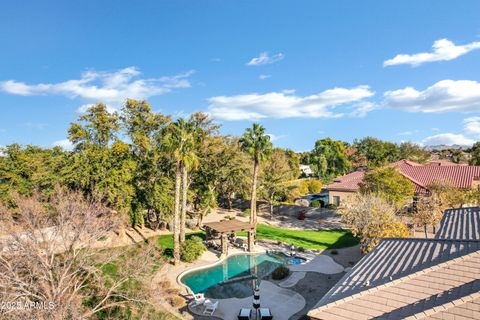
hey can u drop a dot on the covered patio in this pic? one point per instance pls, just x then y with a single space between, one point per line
227 227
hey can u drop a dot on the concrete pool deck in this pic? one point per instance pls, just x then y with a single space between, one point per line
321 263
294 287
270 295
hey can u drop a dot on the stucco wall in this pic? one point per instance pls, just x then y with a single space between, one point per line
342 194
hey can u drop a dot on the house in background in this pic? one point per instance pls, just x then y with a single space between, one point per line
344 187
421 176
306 170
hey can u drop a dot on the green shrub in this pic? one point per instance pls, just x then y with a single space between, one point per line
314 186
192 249
280 273
246 212
301 249
316 204
334 251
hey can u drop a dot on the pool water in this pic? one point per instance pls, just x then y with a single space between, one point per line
234 277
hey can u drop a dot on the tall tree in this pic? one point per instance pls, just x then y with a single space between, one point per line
377 152
257 144
328 159
475 154
413 152
275 172
428 212
96 127
153 188
388 184
194 132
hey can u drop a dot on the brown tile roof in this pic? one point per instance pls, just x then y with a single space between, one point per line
348 182
420 175
460 223
423 176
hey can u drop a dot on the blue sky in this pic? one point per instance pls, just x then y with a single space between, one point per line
304 69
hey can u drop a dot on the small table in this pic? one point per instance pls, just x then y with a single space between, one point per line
245 314
265 314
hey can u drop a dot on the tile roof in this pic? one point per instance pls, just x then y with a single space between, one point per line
348 182
396 258
458 176
420 175
434 290
460 223
413 278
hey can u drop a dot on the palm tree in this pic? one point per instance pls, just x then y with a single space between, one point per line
189 161
257 144
173 144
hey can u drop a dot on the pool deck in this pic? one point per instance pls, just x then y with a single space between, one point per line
270 295
321 263
270 292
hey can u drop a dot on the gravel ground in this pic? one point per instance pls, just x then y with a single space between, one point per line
347 257
313 287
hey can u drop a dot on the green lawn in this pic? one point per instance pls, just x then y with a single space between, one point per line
308 239
166 241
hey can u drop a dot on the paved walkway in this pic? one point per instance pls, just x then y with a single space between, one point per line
321 263
270 296
293 279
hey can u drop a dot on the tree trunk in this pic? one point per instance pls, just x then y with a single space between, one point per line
253 203
176 222
184 202
425 229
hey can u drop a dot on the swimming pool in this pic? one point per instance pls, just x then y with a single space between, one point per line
234 277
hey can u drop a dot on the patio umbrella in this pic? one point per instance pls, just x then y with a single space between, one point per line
256 300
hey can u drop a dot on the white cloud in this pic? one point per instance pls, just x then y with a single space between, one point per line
264 58
361 109
472 125
442 50
274 137
65 144
443 96
264 76
280 105
448 139
112 88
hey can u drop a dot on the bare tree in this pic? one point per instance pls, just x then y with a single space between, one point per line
50 264
372 218
428 212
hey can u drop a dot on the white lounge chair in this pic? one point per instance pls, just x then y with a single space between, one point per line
198 299
210 307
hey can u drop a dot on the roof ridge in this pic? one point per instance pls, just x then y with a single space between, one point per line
395 282
411 179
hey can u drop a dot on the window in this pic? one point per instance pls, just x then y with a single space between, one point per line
336 200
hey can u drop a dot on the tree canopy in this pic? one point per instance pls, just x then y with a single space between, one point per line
328 159
389 184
